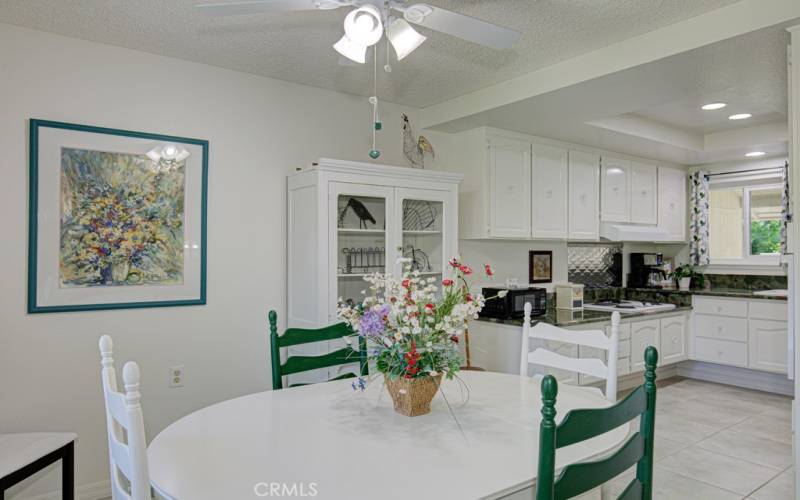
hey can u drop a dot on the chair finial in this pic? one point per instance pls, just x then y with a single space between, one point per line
549 393
273 322
106 351
650 360
130 375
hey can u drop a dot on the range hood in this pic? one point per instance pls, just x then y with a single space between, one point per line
632 232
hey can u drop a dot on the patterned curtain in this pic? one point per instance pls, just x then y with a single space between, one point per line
786 215
698 227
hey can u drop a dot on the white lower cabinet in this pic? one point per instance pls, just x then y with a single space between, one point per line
739 332
643 334
673 341
768 344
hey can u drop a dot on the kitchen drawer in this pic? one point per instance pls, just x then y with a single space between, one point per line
721 352
722 307
773 310
720 327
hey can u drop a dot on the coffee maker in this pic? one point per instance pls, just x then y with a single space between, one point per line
646 270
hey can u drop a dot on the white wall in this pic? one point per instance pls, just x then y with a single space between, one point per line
259 130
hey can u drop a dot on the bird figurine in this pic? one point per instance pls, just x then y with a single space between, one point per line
415 147
361 211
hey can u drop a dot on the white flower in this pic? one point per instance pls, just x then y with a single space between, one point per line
501 293
433 373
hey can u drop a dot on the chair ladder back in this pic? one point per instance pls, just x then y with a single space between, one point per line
579 478
127 446
583 424
299 336
589 338
586 366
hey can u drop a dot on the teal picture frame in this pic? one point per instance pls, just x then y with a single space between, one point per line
35 125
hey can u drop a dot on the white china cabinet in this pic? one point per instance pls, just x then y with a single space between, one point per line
348 219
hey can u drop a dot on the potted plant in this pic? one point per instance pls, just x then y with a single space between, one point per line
684 274
412 331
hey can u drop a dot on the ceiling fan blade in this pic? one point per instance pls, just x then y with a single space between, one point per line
461 26
255 7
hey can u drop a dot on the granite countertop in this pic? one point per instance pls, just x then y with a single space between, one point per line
560 317
718 292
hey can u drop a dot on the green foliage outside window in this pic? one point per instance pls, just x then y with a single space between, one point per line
765 237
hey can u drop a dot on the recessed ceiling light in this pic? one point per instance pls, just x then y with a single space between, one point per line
752 154
712 106
740 116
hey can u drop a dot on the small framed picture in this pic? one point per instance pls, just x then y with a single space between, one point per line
540 266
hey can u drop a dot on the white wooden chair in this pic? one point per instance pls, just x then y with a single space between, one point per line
127 448
589 338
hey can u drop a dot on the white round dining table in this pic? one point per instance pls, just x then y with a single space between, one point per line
327 441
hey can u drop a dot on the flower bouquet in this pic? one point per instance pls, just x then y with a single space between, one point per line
413 331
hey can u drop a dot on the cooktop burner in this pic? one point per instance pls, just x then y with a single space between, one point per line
628 306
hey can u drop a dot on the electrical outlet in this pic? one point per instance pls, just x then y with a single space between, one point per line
176 376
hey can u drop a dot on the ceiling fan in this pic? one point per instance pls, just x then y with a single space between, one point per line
366 24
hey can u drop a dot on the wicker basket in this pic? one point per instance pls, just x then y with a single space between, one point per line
412 396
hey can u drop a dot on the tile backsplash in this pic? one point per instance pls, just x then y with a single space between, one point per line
596 265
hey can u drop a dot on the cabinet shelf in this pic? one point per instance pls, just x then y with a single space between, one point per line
343 230
416 232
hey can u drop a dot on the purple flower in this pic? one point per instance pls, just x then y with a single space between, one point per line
372 322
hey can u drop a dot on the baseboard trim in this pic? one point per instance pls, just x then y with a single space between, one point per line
93 491
740 377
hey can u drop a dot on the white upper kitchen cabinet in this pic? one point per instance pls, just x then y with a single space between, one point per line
644 193
615 183
584 196
549 203
672 202
509 188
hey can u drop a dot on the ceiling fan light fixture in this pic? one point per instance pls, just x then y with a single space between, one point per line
416 13
351 50
403 37
363 25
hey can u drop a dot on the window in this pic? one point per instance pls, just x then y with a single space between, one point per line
744 223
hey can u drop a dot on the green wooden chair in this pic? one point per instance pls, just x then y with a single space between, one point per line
580 425
298 364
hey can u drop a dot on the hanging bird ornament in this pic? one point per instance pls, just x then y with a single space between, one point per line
415 147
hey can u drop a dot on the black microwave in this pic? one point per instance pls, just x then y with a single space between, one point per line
513 304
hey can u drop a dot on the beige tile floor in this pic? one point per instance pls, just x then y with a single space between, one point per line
719 442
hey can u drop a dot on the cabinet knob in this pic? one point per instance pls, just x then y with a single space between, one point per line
674 339
672 206
719 309
549 193
582 197
644 193
615 189
719 329
719 354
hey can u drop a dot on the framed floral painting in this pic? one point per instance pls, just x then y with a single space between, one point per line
117 219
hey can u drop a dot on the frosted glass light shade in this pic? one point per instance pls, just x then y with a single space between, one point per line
351 50
403 37
364 26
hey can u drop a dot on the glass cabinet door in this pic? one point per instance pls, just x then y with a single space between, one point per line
425 219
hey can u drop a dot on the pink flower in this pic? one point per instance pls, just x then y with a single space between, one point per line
447 282
405 283
488 269
429 307
465 269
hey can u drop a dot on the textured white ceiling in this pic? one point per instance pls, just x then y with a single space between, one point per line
296 46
